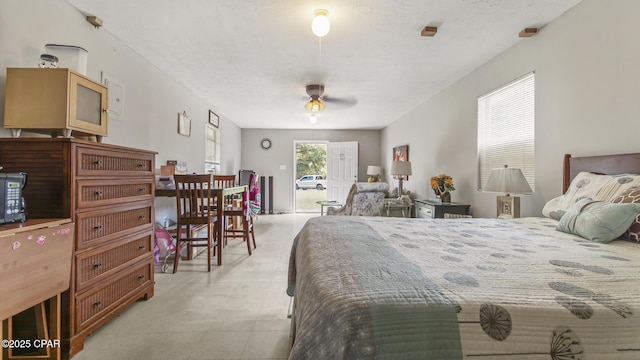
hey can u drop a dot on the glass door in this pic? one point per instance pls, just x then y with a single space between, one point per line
310 183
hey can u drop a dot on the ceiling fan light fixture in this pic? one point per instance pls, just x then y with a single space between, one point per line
313 118
314 105
320 24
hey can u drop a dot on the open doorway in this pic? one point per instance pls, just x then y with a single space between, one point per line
310 170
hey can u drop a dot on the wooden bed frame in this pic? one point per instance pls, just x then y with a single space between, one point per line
601 164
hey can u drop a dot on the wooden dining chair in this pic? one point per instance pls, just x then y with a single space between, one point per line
224 181
236 225
230 223
195 213
244 228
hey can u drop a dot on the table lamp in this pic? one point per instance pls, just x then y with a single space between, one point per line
374 173
508 181
400 169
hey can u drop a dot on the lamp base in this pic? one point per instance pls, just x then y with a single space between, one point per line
400 189
508 207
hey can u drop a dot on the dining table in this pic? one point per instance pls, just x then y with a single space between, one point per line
219 193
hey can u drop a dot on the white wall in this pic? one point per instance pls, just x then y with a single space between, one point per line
267 162
152 100
587 102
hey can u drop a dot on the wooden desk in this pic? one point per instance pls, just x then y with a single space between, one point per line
219 194
35 258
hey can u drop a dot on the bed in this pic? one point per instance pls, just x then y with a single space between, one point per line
394 288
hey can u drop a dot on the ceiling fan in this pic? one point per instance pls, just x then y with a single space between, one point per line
317 99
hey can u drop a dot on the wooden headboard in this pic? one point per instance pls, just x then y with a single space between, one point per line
602 164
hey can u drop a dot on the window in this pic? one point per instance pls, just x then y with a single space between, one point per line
212 149
506 129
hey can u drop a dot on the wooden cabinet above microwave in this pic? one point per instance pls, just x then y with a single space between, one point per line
57 102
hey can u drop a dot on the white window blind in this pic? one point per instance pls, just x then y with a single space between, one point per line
506 129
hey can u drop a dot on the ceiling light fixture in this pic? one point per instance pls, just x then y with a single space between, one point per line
314 105
313 118
320 24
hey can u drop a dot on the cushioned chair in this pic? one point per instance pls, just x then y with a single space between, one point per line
364 199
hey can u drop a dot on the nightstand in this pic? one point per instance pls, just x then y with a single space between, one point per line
394 207
434 209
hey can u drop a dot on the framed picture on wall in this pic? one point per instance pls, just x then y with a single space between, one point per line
184 124
401 153
214 119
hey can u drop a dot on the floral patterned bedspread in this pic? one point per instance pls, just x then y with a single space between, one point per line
376 288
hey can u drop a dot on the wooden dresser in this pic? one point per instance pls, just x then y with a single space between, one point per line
107 191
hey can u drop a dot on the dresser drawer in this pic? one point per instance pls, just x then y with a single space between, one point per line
94 304
423 210
97 162
435 210
110 224
95 265
93 193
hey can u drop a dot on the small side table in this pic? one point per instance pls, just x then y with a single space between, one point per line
392 206
433 209
325 203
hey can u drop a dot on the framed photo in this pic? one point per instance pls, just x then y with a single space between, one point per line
214 119
184 124
401 153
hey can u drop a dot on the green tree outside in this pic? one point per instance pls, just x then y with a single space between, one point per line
311 159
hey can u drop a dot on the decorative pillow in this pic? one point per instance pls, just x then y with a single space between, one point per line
372 187
597 220
589 185
632 195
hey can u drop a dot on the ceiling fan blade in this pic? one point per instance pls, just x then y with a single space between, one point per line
342 102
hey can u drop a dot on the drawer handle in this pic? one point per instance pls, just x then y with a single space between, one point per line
141 165
97 227
141 247
142 217
97 266
98 193
98 162
140 277
141 190
97 304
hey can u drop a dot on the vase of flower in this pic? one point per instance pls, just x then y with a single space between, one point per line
442 186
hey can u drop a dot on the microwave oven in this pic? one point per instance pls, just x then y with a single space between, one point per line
11 200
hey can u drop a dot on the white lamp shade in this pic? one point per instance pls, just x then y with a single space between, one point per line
507 181
374 170
400 168
320 24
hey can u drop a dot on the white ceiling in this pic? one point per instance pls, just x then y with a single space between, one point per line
251 59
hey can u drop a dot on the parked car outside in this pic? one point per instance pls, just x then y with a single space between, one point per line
311 182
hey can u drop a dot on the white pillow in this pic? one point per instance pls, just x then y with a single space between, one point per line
589 185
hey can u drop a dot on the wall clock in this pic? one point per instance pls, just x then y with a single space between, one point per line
265 143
